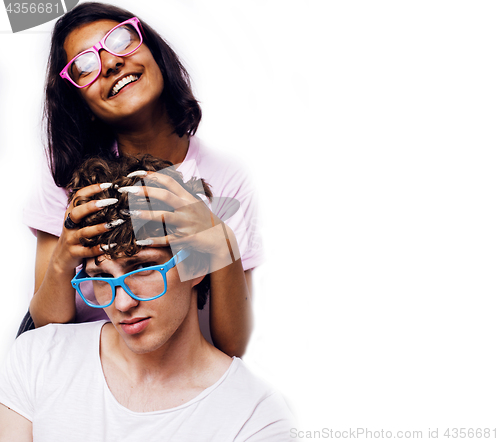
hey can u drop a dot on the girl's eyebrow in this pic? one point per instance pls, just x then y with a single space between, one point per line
100 36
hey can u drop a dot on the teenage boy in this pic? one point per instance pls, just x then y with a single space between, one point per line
147 374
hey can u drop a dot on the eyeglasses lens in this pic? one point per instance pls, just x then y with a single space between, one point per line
146 284
122 41
96 292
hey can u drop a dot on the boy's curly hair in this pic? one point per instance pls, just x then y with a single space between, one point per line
121 240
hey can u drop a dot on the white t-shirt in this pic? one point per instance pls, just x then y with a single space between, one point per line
228 181
53 377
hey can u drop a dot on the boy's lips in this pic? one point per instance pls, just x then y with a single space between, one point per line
134 325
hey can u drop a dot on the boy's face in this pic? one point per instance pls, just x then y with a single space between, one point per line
146 326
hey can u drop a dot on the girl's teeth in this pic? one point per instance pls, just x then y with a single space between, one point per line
123 82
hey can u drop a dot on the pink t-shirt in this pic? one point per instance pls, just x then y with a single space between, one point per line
228 181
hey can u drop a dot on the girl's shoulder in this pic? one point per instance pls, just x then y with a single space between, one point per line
223 171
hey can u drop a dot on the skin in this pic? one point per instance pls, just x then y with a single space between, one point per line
167 363
56 259
142 126
14 427
200 229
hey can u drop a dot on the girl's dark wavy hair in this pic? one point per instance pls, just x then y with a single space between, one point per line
72 134
98 170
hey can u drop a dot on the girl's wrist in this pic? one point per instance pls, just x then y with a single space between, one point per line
62 265
226 249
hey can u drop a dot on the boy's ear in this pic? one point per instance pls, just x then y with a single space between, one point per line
197 280
202 270
194 271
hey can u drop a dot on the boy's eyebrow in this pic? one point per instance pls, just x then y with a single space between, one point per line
134 260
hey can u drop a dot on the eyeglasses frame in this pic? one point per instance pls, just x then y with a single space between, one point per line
100 45
119 281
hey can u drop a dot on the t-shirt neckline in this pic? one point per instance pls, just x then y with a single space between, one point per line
191 154
108 392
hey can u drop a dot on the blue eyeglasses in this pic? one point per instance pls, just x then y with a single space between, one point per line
150 282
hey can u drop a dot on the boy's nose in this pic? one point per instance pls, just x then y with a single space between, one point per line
123 301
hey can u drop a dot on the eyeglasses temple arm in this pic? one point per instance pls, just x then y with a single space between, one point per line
181 256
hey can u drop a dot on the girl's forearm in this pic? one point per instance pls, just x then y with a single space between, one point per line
54 298
231 315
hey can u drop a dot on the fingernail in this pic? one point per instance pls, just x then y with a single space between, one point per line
128 189
105 247
106 202
114 223
137 173
144 242
128 212
105 186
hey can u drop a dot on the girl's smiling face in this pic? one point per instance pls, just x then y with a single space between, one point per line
138 73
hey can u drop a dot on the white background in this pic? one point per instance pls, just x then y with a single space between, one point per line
371 130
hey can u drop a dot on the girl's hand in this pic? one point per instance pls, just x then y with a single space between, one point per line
195 226
69 251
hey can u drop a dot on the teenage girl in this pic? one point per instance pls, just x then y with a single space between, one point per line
115 87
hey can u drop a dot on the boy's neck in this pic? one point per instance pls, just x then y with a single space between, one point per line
184 346
165 378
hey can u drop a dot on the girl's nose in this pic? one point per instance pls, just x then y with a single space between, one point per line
110 63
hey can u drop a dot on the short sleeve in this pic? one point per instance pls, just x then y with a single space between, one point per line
47 204
17 390
245 221
234 197
271 421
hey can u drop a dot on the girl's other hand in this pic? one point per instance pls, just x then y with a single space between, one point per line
191 223
70 252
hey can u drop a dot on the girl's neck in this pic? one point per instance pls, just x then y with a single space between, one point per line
159 140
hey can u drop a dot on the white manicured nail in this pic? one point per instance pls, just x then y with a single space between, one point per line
114 223
144 242
106 202
137 173
128 189
105 247
127 212
105 186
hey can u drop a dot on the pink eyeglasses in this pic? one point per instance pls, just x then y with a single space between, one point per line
122 40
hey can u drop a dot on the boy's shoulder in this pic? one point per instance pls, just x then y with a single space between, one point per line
60 337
